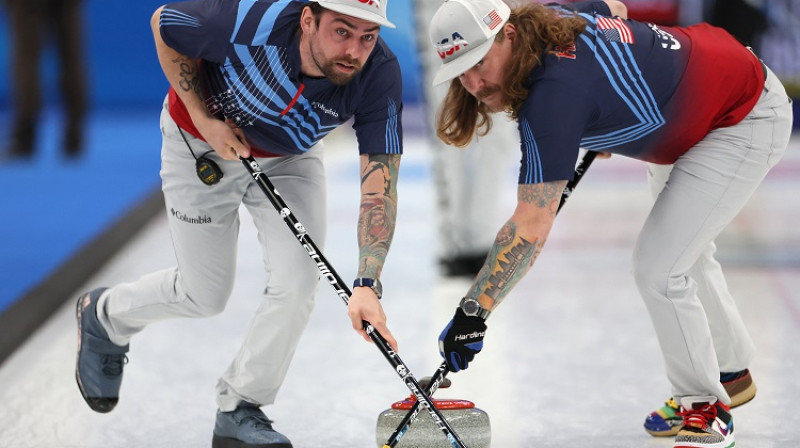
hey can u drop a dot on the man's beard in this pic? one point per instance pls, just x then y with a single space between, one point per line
328 68
489 91
337 77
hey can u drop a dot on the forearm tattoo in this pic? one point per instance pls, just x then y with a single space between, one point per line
190 78
378 214
512 256
546 195
509 260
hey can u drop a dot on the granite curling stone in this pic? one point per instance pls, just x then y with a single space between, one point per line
470 423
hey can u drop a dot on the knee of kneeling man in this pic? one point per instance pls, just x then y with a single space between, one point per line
207 305
212 309
649 277
661 281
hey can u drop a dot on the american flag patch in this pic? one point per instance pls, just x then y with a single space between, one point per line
615 30
492 19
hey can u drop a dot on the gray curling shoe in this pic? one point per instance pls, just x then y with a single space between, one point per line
246 427
98 370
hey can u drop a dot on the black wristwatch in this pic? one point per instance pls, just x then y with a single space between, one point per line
373 283
471 307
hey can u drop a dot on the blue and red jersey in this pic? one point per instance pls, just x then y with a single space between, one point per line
251 63
634 89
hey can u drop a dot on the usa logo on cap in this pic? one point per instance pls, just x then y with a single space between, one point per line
448 47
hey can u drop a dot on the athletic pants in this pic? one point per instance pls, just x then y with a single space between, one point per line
204 224
696 320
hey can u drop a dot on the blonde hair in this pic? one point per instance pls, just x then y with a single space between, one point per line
539 31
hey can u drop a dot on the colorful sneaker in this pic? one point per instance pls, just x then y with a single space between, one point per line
705 425
666 423
739 385
246 427
98 370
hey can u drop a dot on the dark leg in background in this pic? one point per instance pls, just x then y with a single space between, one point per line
24 17
66 20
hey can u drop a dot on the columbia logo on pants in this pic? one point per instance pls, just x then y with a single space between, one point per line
190 219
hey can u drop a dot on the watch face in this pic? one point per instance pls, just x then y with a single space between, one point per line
470 307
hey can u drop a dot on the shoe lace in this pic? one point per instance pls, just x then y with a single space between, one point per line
699 418
112 364
260 421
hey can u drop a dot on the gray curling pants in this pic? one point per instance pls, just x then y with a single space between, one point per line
204 225
696 320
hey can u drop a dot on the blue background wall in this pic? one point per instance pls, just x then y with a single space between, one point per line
124 70
51 207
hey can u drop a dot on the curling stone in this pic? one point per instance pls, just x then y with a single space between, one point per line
470 423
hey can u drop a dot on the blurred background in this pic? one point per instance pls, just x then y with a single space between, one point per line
85 176
64 211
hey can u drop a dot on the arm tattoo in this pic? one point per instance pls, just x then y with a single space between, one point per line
512 256
509 260
378 215
190 78
544 195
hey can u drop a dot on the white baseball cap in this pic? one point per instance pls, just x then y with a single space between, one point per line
369 10
462 31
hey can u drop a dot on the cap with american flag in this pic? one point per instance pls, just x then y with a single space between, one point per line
463 31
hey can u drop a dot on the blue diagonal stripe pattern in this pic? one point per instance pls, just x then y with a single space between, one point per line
260 82
392 135
267 22
626 79
531 172
176 18
244 7
258 77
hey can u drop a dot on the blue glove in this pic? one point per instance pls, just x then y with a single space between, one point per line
461 340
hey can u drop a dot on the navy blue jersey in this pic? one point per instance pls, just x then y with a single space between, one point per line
251 61
634 89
